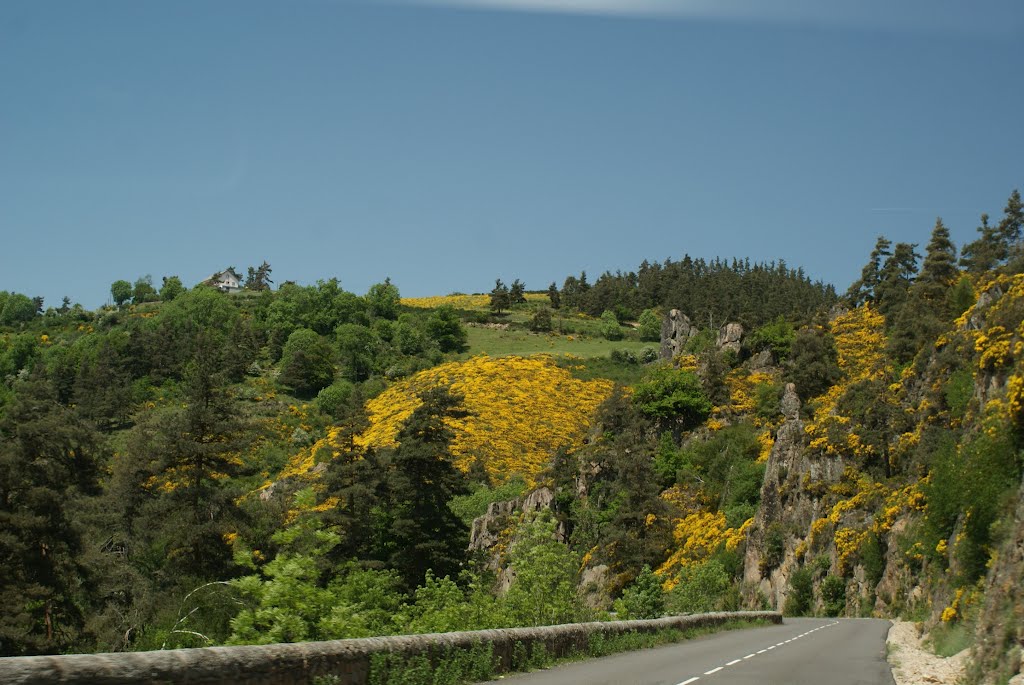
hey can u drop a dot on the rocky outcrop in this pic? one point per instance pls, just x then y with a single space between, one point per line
487 530
761 361
791 403
594 584
493 532
999 639
729 337
676 330
788 507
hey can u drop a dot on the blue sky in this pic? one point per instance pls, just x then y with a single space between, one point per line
447 143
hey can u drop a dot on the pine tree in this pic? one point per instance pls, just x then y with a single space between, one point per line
985 253
501 299
918 318
424 534
554 296
47 460
896 277
864 289
517 293
1011 229
939 271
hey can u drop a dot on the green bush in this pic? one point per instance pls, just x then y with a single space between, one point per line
610 327
541 320
334 397
643 599
768 400
702 587
777 337
958 391
667 393
774 547
801 592
833 594
650 326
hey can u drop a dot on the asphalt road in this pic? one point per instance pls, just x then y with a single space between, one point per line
802 651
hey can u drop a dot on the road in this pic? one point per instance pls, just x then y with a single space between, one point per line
802 651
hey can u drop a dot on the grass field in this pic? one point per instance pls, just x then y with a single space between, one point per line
576 338
499 343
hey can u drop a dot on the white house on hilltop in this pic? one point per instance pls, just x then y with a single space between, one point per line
227 281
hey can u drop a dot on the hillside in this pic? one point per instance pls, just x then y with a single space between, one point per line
196 467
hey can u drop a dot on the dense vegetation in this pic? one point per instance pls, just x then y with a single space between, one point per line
190 467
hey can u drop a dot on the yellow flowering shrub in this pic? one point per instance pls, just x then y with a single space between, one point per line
463 301
697 535
765 443
521 411
860 343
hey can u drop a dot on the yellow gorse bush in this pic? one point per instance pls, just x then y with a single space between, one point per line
521 411
860 343
462 301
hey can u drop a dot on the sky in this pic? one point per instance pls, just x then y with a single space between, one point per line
447 143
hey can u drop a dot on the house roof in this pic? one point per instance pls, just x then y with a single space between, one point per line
225 272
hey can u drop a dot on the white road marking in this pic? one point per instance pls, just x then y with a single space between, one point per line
760 651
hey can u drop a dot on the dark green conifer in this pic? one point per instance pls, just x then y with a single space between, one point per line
423 533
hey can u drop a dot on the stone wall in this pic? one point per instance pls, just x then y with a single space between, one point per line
347 660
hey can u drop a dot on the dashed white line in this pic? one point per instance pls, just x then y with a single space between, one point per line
714 670
750 656
691 680
734 661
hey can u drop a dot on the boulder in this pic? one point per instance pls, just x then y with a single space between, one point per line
676 329
729 337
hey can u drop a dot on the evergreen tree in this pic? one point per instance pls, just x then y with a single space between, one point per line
187 458
896 277
939 271
501 298
424 534
813 364
570 295
554 296
258 278
1011 228
864 289
917 320
47 460
985 253
517 293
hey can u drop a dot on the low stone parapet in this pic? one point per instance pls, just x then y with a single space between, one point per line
344 662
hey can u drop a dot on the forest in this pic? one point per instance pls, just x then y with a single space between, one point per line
190 467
